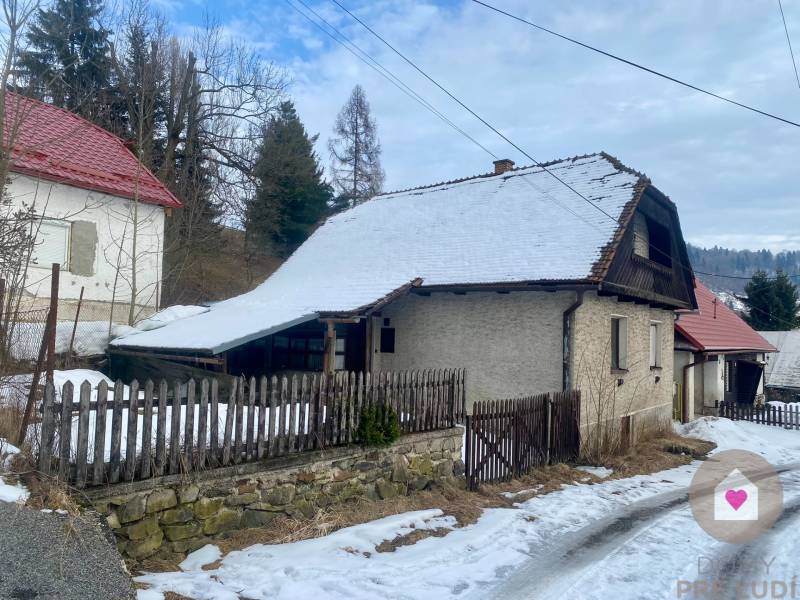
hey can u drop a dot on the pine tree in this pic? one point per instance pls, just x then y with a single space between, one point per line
772 303
291 195
69 62
355 152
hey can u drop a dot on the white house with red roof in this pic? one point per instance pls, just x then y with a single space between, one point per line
718 357
93 195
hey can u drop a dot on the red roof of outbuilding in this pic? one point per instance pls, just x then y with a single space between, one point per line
714 326
57 145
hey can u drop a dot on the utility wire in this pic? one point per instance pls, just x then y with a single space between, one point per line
637 65
789 41
368 60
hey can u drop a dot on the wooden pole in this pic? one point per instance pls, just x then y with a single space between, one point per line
75 325
52 317
329 359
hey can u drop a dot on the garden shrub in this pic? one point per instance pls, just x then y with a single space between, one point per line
379 426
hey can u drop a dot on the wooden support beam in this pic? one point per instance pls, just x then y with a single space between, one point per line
329 358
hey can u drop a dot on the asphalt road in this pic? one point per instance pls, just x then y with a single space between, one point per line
47 555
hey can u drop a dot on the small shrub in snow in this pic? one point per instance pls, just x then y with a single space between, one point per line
379 426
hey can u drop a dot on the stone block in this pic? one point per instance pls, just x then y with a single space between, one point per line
279 495
245 487
301 509
219 491
140 530
421 465
180 514
207 507
113 521
161 499
188 493
257 518
146 547
386 489
445 468
305 477
190 545
458 467
224 520
342 475
183 531
265 506
132 510
242 499
400 470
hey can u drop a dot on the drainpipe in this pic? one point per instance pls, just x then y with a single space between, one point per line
567 344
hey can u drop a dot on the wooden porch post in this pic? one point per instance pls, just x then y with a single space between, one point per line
329 358
369 349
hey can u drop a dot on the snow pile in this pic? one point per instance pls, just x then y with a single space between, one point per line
199 558
476 560
168 315
507 228
601 472
12 493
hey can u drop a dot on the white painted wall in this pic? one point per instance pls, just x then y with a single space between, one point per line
113 217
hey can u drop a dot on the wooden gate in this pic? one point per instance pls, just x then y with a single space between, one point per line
507 438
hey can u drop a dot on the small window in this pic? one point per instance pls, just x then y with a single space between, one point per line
619 343
655 344
52 243
339 359
387 340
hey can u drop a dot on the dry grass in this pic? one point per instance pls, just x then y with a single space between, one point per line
10 421
51 494
658 454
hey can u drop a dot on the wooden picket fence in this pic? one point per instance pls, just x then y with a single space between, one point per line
133 433
787 417
507 438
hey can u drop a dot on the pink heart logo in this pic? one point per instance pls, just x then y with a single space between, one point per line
736 498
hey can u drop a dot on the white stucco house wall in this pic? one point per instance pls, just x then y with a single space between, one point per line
91 197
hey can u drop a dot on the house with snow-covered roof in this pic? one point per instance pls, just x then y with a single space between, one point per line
533 279
89 193
718 358
782 373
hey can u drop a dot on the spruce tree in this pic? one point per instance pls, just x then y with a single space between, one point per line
291 196
69 62
355 152
772 303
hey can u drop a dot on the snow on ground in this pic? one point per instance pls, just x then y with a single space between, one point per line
201 557
12 493
476 560
601 472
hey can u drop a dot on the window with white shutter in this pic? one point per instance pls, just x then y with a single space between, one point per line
52 243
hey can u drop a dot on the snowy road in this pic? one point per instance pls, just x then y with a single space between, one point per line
625 538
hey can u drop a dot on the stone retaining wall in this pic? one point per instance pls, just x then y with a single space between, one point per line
175 514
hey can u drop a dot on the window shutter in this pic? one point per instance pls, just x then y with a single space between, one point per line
52 243
623 343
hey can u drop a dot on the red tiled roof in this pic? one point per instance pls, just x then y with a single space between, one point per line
56 145
715 327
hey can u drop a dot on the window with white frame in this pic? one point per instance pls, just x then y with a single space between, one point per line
52 243
655 344
619 342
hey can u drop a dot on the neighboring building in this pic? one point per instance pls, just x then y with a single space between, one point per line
718 357
511 275
87 185
783 369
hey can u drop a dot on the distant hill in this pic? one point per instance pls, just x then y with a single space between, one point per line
742 263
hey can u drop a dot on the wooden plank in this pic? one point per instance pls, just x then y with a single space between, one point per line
213 424
188 430
48 430
202 426
261 439
282 421
351 406
175 429
65 432
272 440
294 402
250 443
98 467
303 413
238 449
230 417
133 421
116 431
83 435
313 406
161 429
359 405
147 430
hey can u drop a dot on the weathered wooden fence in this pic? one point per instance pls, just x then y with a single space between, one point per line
135 432
787 416
506 438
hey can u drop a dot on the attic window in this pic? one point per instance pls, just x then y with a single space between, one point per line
652 240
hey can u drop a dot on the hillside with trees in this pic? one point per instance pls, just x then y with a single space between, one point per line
741 263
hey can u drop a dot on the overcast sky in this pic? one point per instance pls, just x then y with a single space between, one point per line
733 174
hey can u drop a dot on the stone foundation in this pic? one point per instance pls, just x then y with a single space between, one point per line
176 514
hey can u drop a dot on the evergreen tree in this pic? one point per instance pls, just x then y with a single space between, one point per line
291 195
69 62
772 303
355 152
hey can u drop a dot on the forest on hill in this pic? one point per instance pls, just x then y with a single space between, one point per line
741 263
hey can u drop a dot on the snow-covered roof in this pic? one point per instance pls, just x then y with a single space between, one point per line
519 226
783 368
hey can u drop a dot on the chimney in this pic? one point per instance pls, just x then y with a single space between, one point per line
503 165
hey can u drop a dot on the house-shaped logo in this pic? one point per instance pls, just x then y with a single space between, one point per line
736 499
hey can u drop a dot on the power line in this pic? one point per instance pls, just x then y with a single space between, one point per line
789 41
636 65
368 60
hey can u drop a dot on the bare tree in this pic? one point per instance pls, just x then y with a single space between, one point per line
355 151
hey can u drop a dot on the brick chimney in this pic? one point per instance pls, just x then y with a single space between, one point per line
503 165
